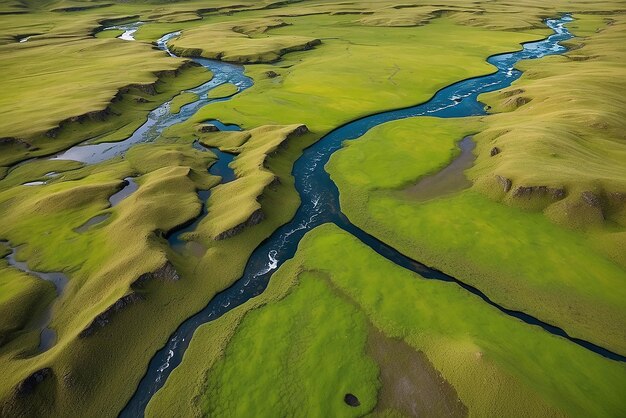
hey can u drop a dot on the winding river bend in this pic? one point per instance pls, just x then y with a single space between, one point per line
161 118
320 204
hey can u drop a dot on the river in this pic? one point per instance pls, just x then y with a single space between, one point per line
320 204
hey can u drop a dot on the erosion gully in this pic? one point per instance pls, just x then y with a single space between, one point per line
320 204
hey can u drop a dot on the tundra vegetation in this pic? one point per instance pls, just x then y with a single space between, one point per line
540 229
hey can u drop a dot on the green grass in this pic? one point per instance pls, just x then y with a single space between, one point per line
63 72
578 146
565 265
122 119
288 349
181 100
586 25
233 203
223 90
22 298
109 34
413 148
98 280
241 42
339 82
323 87
519 258
75 77
303 341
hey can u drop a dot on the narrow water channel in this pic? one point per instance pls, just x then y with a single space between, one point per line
47 336
161 118
221 167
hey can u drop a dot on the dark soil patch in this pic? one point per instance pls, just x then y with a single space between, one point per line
410 383
449 180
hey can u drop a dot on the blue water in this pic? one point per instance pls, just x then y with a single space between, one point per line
161 118
129 187
223 126
221 167
320 204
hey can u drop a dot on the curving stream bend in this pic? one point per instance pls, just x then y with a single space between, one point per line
221 167
161 118
47 336
320 204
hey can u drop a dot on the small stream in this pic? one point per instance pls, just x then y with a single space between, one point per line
129 30
158 120
161 118
129 186
221 167
320 204
48 336
98 219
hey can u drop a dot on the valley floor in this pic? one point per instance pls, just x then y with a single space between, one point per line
147 260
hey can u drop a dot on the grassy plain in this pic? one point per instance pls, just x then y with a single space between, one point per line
38 94
105 118
561 260
305 342
338 80
322 88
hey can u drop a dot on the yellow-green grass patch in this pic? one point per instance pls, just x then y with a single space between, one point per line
49 81
339 80
181 100
22 298
223 90
114 122
109 34
239 202
240 42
